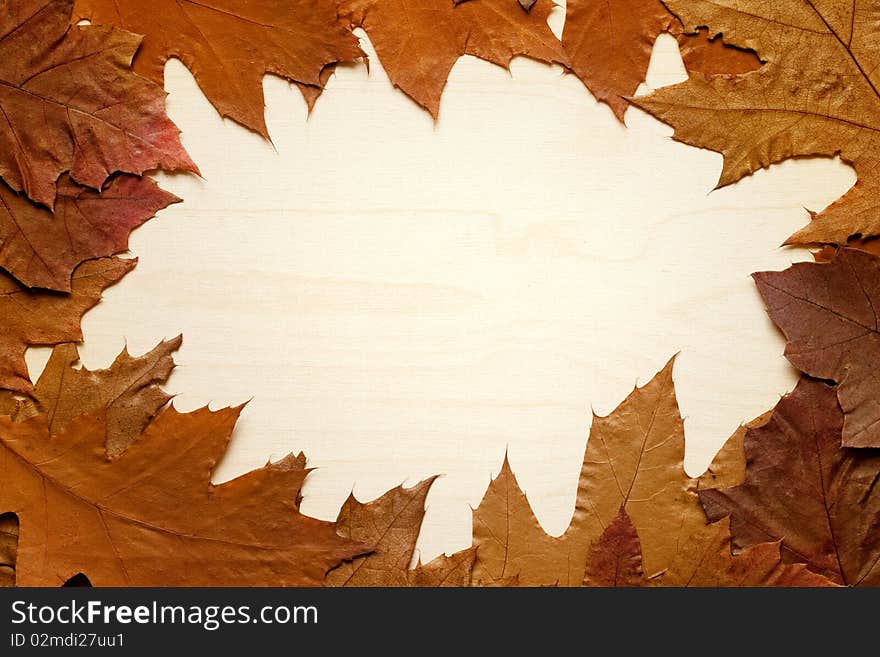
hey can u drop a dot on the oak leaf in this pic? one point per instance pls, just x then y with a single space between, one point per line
70 102
609 46
829 315
445 571
36 318
390 525
419 41
615 560
41 249
230 45
803 489
128 392
151 516
816 95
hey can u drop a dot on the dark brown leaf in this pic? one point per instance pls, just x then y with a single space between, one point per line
829 315
803 489
615 560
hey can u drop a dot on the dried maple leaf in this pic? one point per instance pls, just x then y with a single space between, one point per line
151 516
728 468
419 56
391 526
828 313
615 560
609 47
444 571
41 249
128 391
705 560
70 102
816 95
510 543
633 460
8 548
33 318
803 489
230 45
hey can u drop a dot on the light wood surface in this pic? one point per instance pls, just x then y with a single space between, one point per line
401 298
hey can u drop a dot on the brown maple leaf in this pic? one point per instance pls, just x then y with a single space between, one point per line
41 249
35 318
391 526
512 548
445 571
803 489
229 45
151 516
419 41
70 102
615 560
633 460
816 95
705 560
8 548
828 313
609 46
128 392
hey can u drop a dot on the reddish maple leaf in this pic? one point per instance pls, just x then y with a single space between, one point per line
70 102
41 249
615 560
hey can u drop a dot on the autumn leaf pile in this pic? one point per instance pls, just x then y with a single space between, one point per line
103 481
